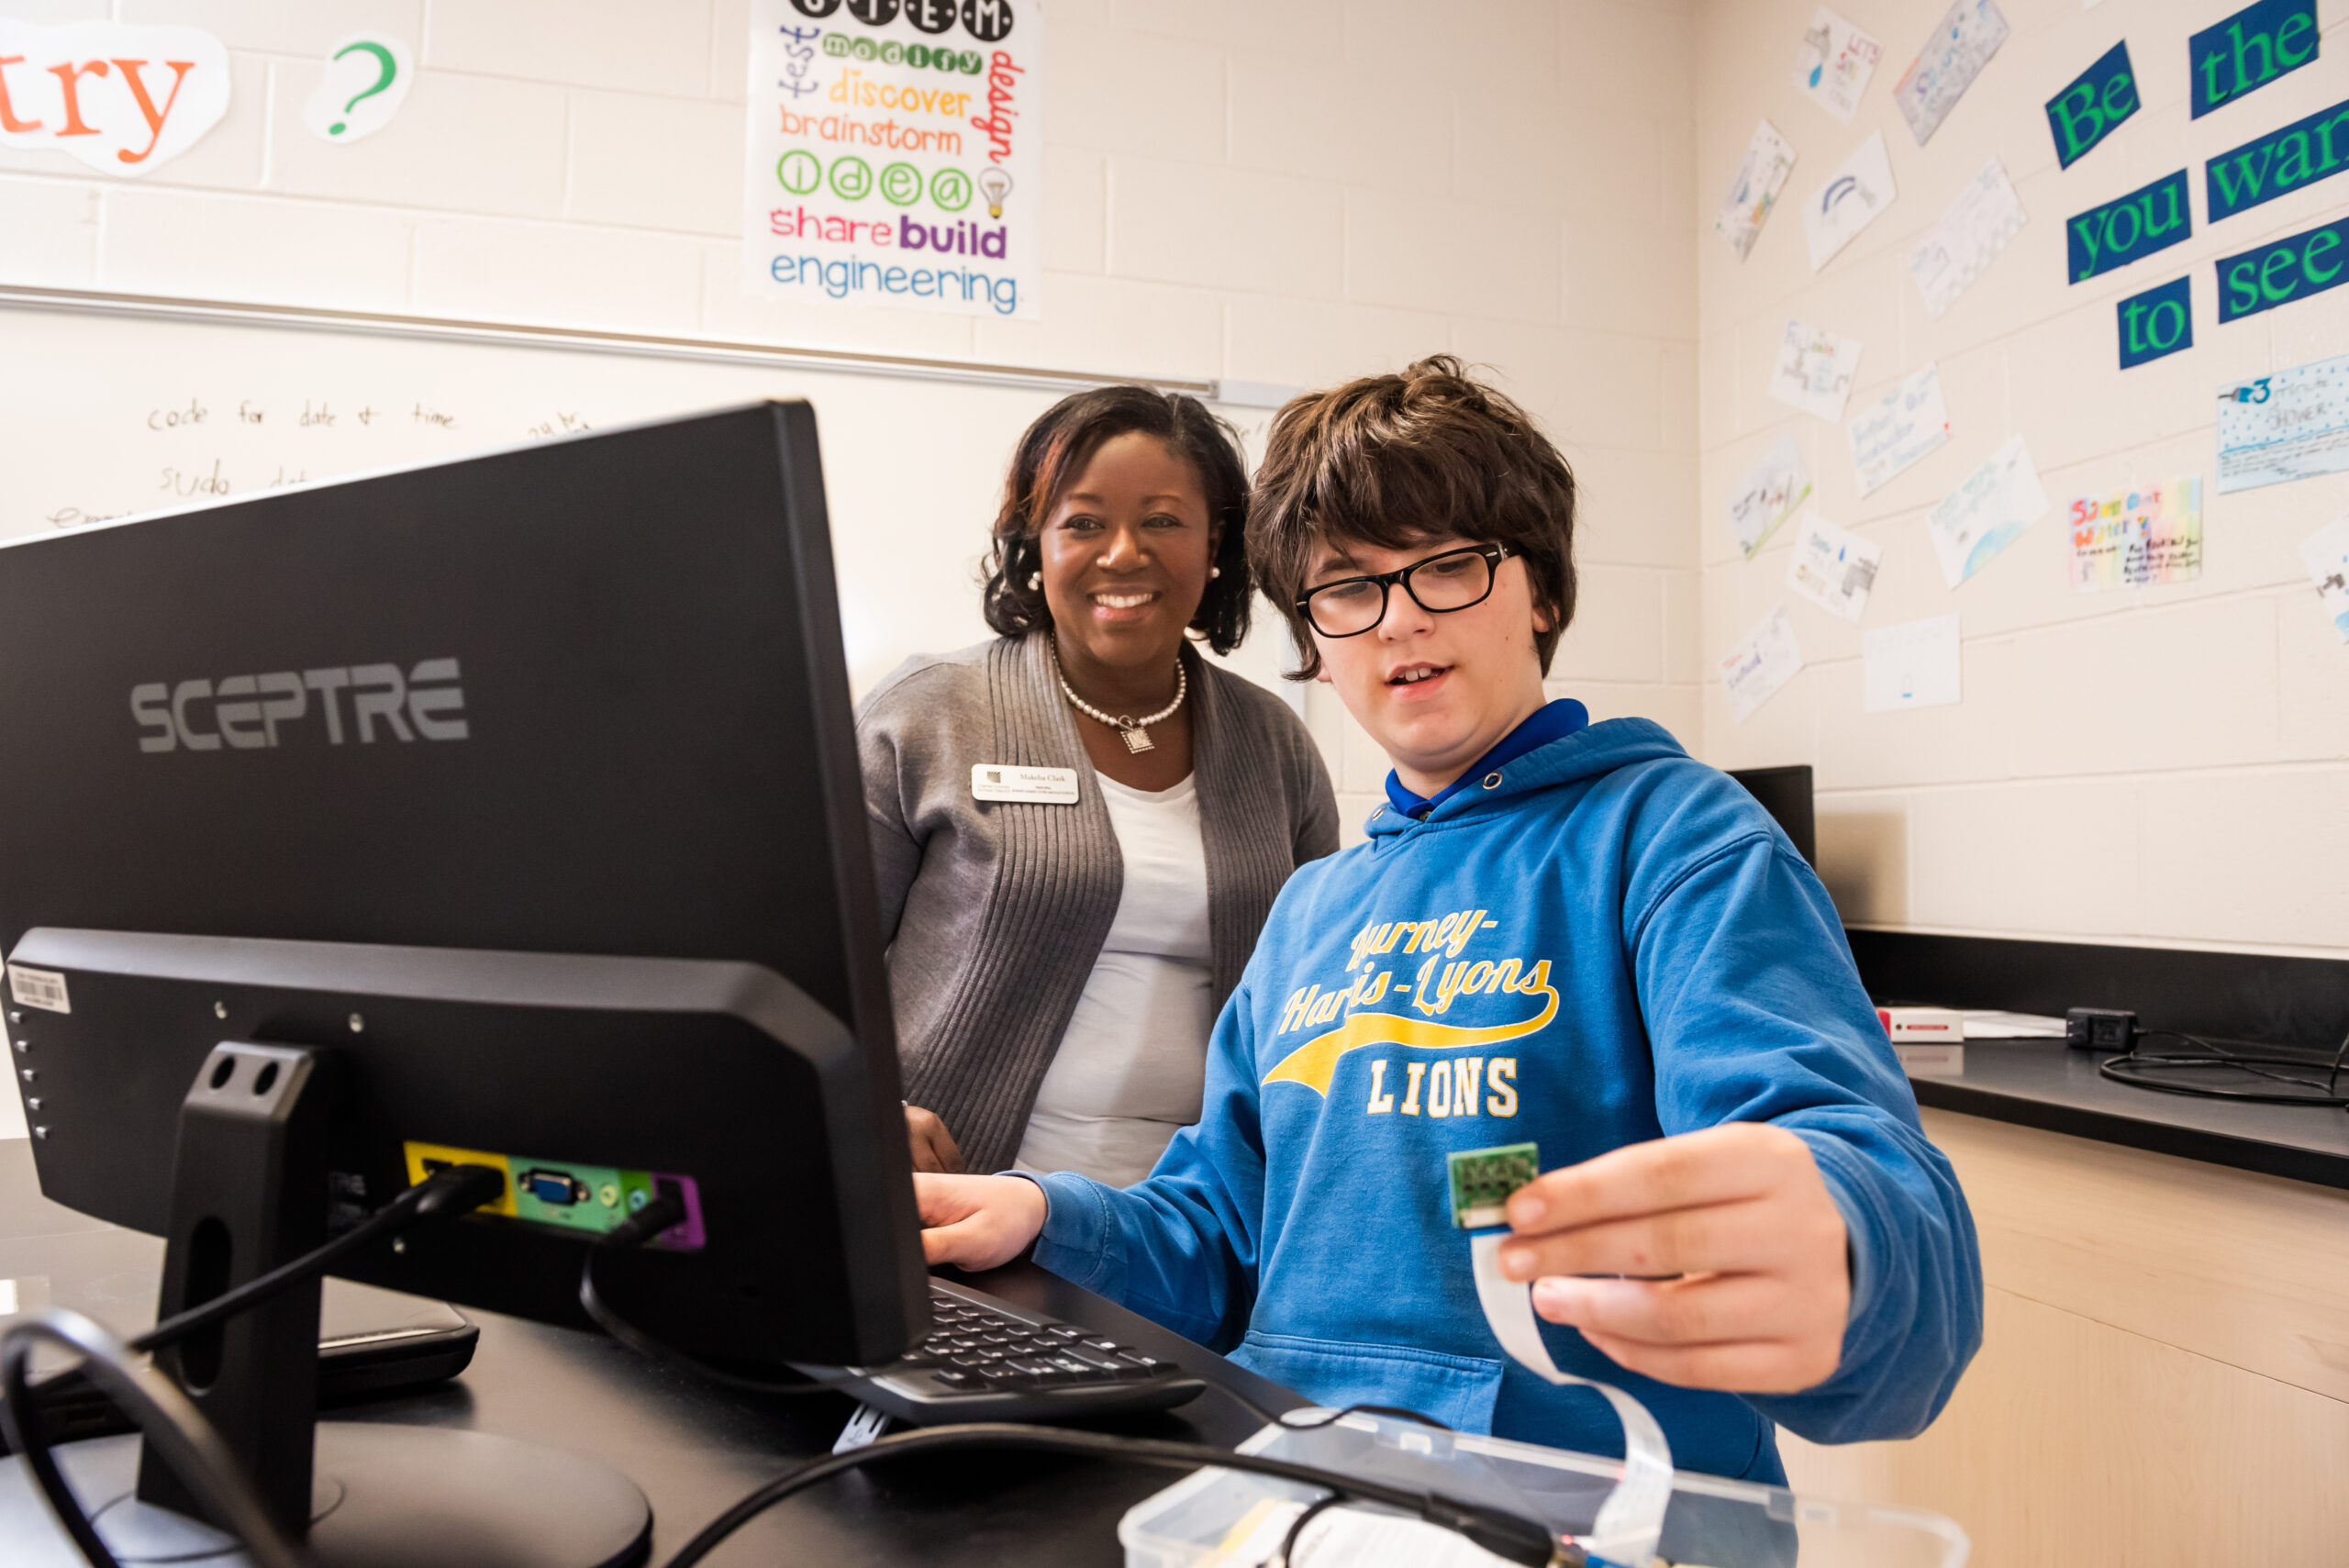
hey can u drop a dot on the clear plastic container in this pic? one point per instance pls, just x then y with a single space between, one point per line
1709 1521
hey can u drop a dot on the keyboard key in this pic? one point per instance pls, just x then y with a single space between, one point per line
958 1381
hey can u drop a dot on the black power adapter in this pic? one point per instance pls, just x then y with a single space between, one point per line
2099 1028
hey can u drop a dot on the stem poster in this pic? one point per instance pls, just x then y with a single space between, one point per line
896 154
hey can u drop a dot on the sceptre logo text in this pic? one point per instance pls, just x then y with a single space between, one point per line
250 713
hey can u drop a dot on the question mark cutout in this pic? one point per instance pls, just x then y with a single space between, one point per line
366 78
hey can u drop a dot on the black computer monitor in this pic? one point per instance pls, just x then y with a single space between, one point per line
510 806
1784 794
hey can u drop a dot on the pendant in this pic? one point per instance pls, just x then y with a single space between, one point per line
1138 740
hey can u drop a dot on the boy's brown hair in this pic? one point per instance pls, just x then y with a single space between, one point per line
1391 460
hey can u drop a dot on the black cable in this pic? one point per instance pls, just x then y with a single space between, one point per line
2136 1068
638 1229
1330 1417
173 1426
1296 1532
1506 1535
454 1189
162 1413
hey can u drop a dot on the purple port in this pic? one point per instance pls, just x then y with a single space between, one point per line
686 1236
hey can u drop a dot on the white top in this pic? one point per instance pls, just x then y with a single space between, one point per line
1133 1062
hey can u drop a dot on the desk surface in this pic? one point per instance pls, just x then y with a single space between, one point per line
695 1449
2040 1084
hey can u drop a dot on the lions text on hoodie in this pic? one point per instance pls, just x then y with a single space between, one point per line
1600 943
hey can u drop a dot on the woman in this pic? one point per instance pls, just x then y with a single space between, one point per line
1058 956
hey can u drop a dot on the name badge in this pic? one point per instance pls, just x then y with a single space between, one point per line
1047 787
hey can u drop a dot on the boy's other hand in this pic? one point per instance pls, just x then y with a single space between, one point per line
933 1146
977 1222
1739 1213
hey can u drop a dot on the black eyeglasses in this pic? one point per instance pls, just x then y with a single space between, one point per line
1439 584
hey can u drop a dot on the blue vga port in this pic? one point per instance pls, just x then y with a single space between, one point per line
556 1189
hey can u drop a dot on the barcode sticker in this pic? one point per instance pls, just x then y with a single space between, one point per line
43 988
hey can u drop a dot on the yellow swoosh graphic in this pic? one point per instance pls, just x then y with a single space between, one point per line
1315 1062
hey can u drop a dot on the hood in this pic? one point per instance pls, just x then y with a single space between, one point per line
1588 752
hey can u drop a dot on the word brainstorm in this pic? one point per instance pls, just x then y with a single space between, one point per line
895 127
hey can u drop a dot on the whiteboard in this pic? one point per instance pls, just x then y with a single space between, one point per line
104 417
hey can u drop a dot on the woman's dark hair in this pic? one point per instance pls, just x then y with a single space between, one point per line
1394 459
1055 449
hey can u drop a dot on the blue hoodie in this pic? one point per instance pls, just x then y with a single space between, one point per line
1603 941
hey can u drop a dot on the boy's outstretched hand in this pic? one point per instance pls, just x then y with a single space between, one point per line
977 1222
1739 1212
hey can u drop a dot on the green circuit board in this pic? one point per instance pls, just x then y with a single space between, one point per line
1482 1180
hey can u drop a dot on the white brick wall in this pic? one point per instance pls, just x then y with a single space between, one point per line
2163 765
1280 191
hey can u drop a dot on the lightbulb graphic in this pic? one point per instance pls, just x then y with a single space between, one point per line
994 185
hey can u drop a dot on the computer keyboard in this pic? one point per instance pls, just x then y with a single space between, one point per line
986 1360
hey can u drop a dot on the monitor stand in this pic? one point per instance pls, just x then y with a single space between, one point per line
249 1193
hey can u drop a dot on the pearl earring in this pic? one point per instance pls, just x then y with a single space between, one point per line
1214 572
1035 581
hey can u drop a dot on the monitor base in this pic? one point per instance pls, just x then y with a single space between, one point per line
386 1497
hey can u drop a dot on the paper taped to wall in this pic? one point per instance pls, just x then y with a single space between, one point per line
1848 202
1833 568
2145 534
1913 664
1833 63
2292 425
1768 494
1985 513
1905 425
1813 370
1962 43
1768 659
1755 192
2326 555
1975 227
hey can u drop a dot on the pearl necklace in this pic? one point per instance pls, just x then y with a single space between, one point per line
1133 731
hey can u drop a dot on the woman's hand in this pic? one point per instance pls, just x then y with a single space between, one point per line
977 1222
1741 1219
933 1146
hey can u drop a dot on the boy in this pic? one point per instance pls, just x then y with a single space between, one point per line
1560 933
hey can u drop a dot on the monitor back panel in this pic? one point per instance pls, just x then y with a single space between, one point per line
641 624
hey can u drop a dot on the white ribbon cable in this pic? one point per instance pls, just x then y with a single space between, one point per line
1631 1518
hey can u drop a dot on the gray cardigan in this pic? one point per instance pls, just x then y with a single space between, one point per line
994 912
